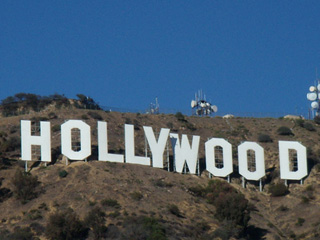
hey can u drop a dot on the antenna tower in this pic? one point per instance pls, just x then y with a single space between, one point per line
200 106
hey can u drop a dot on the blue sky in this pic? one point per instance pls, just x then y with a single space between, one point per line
246 56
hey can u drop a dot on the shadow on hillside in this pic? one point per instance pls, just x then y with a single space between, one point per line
94 153
254 233
311 162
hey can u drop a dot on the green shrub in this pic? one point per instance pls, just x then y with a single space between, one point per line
230 205
190 126
136 195
162 183
34 214
143 228
264 138
173 209
284 131
317 119
226 231
5 193
180 117
65 225
11 144
170 125
310 188
21 233
278 189
52 115
96 220
95 115
109 202
309 127
317 167
56 128
114 214
300 221
305 199
37 228
283 208
198 190
25 186
43 206
215 188
63 173
84 117
299 122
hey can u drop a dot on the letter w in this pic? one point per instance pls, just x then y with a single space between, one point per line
183 153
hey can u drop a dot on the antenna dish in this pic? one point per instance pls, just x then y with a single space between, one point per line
315 105
203 104
312 96
214 108
193 103
313 88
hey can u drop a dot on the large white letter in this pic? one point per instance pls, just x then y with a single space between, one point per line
44 140
183 153
85 140
243 160
285 172
129 144
157 147
227 157
103 145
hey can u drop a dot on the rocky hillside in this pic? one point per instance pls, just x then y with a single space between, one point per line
126 201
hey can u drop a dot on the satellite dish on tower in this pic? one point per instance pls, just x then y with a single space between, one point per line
193 103
202 106
312 89
214 108
315 105
312 96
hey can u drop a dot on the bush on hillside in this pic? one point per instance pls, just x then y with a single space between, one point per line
63 173
95 115
285 131
109 202
174 209
180 117
96 220
299 122
264 138
65 225
278 190
25 186
87 103
143 228
230 204
309 127
11 144
317 119
20 233
136 195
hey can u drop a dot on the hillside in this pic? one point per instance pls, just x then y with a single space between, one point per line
128 194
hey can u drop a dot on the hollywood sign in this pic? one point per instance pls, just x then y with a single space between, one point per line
184 153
